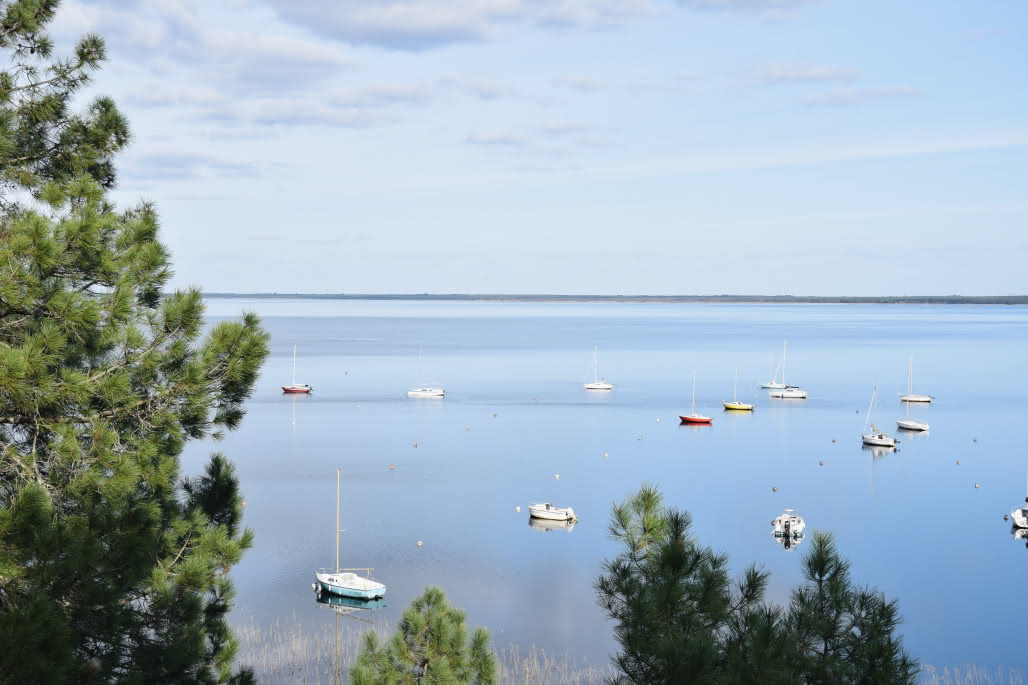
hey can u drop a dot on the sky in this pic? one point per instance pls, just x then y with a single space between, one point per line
802 147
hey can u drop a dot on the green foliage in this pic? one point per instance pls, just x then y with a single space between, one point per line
679 618
431 645
112 566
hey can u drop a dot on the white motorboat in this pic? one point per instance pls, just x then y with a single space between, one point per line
911 396
598 383
735 404
875 437
426 391
788 524
545 510
294 387
788 392
343 581
773 384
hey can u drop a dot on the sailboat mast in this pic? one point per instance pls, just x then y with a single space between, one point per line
694 391
337 520
294 364
910 375
785 344
735 385
868 418
594 363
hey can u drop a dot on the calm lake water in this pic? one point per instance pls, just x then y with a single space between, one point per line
911 522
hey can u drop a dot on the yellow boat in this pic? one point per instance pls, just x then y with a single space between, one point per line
735 404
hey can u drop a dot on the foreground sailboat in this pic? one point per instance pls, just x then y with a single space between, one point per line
911 396
735 404
425 391
343 581
788 392
1020 516
875 437
694 416
598 383
549 512
295 387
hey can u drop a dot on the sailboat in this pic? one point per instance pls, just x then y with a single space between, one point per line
773 384
875 438
1020 516
295 387
694 416
735 404
598 383
788 392
343 581
426 391
911 396
909 424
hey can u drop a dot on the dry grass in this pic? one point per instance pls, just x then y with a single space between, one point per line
287 651
970 675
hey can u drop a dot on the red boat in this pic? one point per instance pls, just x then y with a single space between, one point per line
696 418
295 387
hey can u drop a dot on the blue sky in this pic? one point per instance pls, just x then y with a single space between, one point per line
564 146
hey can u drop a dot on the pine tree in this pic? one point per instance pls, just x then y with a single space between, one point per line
112 565
680 619
431 645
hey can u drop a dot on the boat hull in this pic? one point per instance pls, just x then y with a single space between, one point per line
297 389
1020 517
772 386
426 392
349 585
696 419
737 406
916 398
789 394
599 386
552 513
909 425
351 593
879 440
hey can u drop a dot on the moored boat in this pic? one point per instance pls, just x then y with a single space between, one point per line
294 387
546 510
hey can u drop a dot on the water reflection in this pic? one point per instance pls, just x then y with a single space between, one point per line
346 605
1020 534
546 525
879 451
788 542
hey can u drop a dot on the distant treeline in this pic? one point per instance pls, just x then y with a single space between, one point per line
772 299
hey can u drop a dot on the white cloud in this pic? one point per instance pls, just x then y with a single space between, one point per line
845 97
805 73
560 128
496 138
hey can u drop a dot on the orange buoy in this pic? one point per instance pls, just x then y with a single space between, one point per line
822 463
390 467
467 428
958 462
976 486
494 414
774 489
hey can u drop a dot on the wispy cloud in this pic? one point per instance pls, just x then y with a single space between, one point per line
847 97
424 24
756 6
561 128
579 83
805 73
501 138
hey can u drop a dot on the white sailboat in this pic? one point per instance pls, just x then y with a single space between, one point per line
773 384
911 396
343 581
788 524
424 391
909 424
598 383
295 387
694 416
875 437
735 404
1020 516
788 392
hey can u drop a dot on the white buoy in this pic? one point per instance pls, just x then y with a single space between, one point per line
517 509
604 455
556 476
419 543
658 420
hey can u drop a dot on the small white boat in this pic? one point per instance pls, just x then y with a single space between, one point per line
547 511
911 425
911 396
428 391
786 391
294 387
773 384
788 524
875 437
343 581
598 383
735 404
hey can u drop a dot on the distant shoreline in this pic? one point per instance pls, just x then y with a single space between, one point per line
671 299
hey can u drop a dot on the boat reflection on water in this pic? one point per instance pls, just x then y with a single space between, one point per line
788 542
546 525
335 601
879 451
1020 534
